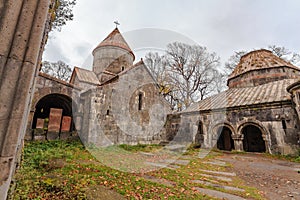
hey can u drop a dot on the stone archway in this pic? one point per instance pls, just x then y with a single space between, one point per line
253 139
48 104
225 141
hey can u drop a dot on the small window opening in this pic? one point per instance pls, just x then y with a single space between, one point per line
283 124
122 68
107 112
140 101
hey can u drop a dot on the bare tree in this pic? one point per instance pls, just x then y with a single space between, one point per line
58 70
233 61
185 73
157 65
285 54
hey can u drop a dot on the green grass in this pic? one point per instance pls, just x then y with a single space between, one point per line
140 147
66 170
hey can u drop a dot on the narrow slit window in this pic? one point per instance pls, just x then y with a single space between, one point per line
140 101
107 112
122 68
283 124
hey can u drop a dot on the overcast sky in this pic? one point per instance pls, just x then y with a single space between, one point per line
223 26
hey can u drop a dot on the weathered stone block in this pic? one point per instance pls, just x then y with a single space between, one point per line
65 135
52 135
66 124
39 123
54 120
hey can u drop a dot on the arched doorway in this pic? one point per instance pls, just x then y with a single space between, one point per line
58 101
225 141
199 137
253 140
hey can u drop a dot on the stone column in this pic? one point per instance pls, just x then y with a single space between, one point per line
22 26
238 142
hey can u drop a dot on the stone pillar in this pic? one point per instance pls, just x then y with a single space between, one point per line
29 132
22 27
238 142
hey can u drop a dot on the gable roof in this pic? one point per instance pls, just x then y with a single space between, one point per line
138 64
116 39
237 97
259 59
84 75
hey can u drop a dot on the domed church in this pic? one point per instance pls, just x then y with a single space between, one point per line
116 102
119 102
259 112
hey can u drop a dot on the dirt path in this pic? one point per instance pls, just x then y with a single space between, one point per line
277 179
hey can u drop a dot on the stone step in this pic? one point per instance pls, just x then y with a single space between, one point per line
177 162
203 153
147 153
186 157
163 165
221 178
218 172
176 148
218 194
216 162
218 186
160 181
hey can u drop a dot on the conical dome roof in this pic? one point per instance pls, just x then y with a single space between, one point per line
259 59
115 39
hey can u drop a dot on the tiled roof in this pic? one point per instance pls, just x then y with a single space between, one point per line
236 97
259 59
85 75
115 38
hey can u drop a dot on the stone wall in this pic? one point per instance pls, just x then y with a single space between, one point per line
129 111
278 124
45 86
263 76
22 27
112 59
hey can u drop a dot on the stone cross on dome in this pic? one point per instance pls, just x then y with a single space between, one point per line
117 23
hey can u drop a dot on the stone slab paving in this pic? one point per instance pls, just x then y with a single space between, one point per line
147 153
163 165
186 157
160 181
203 153
216 162
218 194
218 186
177 162
176 148
218 172
222 178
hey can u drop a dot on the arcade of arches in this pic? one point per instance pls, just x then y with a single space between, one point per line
252 138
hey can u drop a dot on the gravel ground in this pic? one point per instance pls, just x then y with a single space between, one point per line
277 179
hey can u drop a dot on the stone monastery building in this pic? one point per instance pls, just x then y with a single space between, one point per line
119 102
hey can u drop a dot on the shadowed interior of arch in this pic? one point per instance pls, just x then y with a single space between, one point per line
42 108
225 141
253 140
